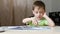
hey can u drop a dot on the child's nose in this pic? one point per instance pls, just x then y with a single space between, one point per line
39 13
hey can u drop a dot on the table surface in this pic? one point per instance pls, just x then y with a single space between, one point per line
30 30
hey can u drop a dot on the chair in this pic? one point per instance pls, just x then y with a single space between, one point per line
55 16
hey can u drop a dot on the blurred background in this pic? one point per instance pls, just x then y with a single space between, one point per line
13 11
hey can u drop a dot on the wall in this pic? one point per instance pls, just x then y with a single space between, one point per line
52 5
55 5
48 5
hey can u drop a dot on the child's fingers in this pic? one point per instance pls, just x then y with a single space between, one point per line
44 15
34 22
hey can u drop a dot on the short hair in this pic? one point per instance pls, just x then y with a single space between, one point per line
39 4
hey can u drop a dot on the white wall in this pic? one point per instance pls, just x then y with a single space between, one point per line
55 5
48 6
52 5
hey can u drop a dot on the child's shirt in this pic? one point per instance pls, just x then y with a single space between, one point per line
42 22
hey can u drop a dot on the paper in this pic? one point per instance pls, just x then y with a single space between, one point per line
26 28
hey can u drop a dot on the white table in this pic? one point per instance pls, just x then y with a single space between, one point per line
54 30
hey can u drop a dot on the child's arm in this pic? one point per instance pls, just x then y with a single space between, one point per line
26 20
50 22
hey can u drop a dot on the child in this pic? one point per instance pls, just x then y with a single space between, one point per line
40 18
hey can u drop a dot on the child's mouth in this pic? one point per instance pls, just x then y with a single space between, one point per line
39 17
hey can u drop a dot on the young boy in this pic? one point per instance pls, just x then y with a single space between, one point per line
40 18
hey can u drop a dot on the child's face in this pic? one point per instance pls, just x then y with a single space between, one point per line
38 12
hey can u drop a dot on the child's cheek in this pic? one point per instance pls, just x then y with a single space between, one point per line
36 15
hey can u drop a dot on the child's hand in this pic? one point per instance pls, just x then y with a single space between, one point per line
34 21
44 15
50 21
26 20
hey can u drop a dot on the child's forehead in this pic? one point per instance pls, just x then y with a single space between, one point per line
38 8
